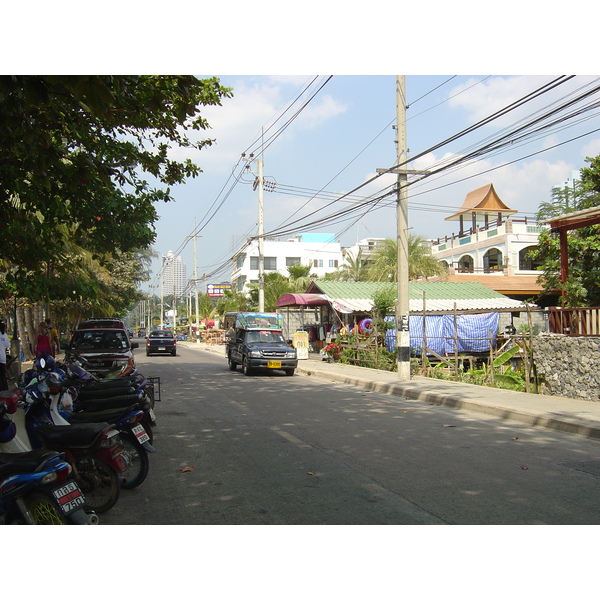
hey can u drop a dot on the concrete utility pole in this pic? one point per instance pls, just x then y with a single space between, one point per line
261 241
402 307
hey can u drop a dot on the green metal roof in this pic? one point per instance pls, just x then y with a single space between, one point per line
434 296
435 290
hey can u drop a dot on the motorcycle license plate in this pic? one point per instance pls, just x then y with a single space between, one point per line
140 434
151 414
69 497
274 364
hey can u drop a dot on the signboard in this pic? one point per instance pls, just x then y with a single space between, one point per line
217 289
300 342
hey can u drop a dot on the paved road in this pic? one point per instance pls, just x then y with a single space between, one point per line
271 449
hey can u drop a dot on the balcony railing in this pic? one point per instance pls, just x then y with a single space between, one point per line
492 229
575 321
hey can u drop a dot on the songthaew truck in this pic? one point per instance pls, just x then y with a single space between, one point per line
255 341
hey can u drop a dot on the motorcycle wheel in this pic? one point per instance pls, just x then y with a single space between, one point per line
99 483
232 365
138 462
44 510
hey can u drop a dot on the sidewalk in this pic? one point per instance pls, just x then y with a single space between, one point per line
553 412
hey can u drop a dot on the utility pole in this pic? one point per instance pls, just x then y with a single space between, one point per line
196 286
261 241
402 307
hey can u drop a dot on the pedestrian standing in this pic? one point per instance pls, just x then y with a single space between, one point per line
4 347
42 344
54 343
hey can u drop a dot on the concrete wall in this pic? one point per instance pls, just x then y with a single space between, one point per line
569 365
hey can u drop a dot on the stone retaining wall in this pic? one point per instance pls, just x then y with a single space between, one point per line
570 366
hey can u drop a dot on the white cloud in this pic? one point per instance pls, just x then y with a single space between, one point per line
239 122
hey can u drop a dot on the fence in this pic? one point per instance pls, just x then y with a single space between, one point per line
575 322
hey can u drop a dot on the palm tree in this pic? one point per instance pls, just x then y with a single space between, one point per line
353 269
300 277
384 266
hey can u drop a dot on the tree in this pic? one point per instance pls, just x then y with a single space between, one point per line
384 264
300 277
582 287
353 269
92 153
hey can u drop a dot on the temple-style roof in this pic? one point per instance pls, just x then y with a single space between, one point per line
482 201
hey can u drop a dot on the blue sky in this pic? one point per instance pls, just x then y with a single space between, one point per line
340 139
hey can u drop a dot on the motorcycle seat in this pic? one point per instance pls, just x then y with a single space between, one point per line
24 462
97 404
80 434
108 416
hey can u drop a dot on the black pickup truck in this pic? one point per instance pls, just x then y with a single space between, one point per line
161 341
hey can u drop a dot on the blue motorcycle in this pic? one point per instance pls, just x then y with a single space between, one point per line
36 487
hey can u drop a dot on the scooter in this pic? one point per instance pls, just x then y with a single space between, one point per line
94 450
36 487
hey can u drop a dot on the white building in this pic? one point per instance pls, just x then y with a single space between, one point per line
493 252
365 247
173 275
319 250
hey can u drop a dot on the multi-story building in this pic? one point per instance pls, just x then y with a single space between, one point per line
494 252
364 248
173 275
319 250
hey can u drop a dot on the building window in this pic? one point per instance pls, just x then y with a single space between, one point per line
333 264
526 263
492 260
270 263
317 263
465 264
239 262
292 260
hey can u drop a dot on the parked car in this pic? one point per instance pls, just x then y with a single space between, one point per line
105 348
256 342
161 341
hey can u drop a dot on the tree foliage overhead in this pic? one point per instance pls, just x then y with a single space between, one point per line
583 285
92 153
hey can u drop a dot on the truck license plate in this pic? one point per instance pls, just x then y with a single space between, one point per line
274 364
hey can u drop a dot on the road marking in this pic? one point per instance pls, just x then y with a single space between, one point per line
290 438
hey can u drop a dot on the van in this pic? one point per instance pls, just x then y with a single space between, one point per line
255 342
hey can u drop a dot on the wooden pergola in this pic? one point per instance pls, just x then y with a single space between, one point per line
565 223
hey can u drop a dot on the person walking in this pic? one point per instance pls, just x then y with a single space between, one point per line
4 347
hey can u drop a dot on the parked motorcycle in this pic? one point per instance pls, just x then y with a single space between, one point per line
127 421
36 487
94 450
95 394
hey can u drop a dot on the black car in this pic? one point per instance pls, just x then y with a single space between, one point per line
104 349
161 341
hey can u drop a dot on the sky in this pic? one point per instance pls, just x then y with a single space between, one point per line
342 136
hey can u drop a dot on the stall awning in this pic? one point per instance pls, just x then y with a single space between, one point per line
302 300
